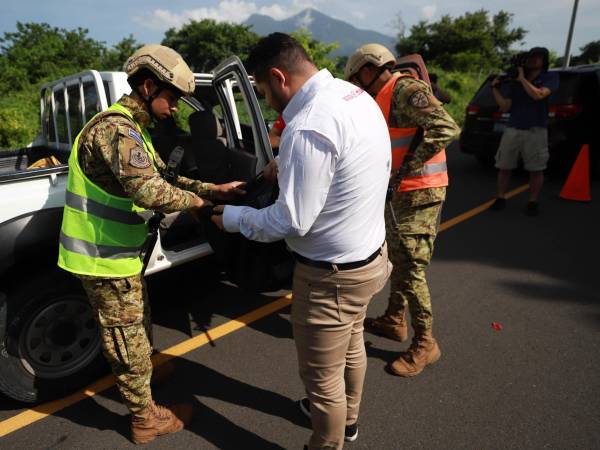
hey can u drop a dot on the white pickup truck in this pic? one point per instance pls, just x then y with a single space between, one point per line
49 342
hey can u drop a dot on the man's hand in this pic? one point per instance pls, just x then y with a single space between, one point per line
270 171
496 82
228 191
521 76
217 218
197 204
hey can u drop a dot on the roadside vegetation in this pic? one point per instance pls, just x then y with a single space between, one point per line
462 51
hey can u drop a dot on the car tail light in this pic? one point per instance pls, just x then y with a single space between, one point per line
563 111
500 115
473 110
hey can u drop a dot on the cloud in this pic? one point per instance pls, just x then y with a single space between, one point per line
428 12
236 11
359 14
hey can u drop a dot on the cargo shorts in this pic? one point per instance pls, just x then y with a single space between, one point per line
530 144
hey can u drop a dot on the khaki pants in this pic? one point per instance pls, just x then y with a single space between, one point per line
327 316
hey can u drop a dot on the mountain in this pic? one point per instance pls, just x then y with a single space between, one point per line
323 28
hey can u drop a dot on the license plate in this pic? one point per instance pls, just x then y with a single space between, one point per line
499 127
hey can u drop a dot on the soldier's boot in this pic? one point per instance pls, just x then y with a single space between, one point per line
155 420
424 350
162 373
393 327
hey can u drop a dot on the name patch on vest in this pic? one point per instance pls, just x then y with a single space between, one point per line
135 135
138 158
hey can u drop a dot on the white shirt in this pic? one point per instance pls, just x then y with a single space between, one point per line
334 167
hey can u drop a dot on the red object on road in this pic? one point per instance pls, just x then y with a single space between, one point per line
497 326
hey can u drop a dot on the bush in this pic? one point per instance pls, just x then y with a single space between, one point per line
461 86
19 118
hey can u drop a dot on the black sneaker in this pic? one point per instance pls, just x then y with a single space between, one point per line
499 204
532 209
351 431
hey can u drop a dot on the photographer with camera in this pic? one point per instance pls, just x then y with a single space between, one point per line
524 94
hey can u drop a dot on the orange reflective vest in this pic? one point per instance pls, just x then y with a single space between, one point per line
434 172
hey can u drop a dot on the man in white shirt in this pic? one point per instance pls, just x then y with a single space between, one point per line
334 167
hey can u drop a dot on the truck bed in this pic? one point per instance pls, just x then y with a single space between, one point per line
14 163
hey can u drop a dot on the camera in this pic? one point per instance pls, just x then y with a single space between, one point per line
512 70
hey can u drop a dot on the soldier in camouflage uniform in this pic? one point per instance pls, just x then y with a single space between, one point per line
413 217
112 152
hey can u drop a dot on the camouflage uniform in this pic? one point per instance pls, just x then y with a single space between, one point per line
417 212
112 157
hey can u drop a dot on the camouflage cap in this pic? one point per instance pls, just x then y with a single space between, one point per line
165 63
376 54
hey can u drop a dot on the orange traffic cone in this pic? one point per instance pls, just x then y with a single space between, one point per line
577 186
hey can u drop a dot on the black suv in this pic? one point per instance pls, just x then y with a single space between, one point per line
574 115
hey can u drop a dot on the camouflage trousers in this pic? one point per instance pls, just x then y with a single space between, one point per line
410 245
122 311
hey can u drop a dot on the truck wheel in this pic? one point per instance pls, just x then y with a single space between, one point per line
52 343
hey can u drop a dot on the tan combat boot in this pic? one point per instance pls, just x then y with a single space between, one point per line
155 420
424 350
392 328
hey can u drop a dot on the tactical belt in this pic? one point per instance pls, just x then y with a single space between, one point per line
339 266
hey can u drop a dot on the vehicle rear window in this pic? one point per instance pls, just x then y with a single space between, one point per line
61 116
74 109
48 118
568 89
484 97
91 100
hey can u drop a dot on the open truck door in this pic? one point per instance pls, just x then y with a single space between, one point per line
254 266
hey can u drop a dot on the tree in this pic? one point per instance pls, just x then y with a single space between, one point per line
318 51
114 58
590 53
469 42
37 52
206 43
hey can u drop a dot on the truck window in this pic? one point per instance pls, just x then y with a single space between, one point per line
109 99
91 100
48 119
74 109
61 116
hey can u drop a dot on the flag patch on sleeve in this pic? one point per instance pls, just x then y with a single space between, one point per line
135 135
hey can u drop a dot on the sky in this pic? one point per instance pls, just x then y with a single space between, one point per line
111 20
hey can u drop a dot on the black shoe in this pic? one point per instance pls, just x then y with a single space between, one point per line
499 204
351 431
532 209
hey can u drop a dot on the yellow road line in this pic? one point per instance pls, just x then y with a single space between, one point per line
32 415
473 212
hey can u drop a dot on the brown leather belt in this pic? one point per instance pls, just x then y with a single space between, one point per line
339 266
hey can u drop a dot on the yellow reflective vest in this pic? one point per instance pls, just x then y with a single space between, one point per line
102 234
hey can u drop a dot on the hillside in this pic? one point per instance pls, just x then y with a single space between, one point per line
323 28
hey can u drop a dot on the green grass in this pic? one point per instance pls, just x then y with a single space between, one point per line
461 86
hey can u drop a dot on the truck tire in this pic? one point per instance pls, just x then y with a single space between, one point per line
51 345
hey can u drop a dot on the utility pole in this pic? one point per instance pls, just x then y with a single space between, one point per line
570 37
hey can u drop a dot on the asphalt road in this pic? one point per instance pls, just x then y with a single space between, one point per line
534 384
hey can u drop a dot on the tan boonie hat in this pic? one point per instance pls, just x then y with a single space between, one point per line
376 54
165 63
